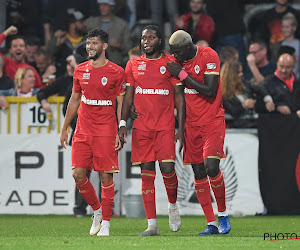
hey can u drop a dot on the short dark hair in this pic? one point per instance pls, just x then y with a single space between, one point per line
15 37
159 34
101 34
260 42
33 41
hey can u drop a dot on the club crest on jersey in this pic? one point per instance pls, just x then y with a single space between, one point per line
197 69
162 70
139 90
142 66
104 81
211 66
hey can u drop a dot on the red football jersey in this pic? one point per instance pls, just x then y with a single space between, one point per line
99 88
201 109
154 92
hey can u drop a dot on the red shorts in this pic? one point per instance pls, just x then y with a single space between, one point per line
95 151
204 142
148 146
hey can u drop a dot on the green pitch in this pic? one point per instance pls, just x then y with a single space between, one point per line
67 232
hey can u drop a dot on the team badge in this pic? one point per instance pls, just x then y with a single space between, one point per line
138 90
162 70
87 70
211 66
104 81
197 69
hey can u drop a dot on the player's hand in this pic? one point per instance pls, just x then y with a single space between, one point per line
12 30
64 138
270 106
283 109
122 134
118 143
174 68
133 113
179 137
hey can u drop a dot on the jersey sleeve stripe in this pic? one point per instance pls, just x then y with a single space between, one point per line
211 73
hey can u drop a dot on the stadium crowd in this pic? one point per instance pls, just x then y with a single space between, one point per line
42 38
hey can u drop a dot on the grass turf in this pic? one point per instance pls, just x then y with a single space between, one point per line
67 232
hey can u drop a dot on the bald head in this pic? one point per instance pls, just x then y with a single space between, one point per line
285 66
180 38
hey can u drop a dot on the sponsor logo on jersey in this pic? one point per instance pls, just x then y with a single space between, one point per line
211 66
197 69
191 91
86 76
142 66
85 82
141 91
96 102
104 81
162 70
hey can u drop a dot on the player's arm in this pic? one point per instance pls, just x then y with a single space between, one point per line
120 99
180 106
207 88
127 102
72 108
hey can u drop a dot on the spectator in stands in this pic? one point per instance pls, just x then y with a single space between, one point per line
6 86
57 15
228 18
228 54
199 25
258 64
283 86
157 12
45 65
25 82
271 30
17 55
118 30
32 46
289 25
239 98
70 42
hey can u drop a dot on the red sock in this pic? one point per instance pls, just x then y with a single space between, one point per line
148 193
218 186
88 193
107 195
203 194
171 184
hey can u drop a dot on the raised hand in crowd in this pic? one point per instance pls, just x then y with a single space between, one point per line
12 30
283 109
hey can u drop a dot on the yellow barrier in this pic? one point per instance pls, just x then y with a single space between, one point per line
56 100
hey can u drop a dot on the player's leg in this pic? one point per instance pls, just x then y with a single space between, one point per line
80 204
148 195
105 159
203 194
212 152
81 162
171 183
218 186
107 198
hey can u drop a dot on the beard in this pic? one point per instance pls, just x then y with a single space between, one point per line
154 50
96 56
